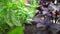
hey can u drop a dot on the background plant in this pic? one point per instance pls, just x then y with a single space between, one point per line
14 14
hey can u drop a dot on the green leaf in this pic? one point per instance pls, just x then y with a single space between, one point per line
17 30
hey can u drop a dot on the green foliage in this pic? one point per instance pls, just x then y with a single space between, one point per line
14 14
17 30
